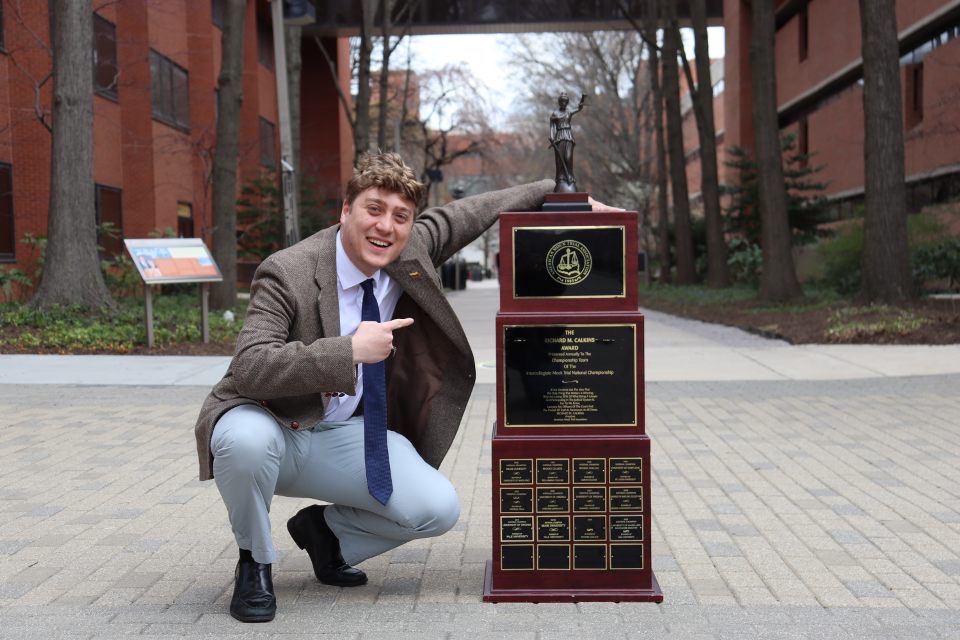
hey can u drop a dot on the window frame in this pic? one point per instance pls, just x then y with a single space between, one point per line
108 252
165 81
803 31
6 257
111 91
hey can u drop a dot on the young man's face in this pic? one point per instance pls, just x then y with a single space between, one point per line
375 228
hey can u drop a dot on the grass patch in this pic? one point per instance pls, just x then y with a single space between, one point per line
73 329
872 322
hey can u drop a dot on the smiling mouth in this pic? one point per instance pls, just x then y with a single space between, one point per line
383 244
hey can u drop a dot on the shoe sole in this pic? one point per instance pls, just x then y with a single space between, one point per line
253 618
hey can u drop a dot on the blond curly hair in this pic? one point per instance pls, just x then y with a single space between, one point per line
386 171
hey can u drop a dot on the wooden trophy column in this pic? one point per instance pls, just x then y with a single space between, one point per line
571 460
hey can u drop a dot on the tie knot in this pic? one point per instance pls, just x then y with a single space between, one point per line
367 285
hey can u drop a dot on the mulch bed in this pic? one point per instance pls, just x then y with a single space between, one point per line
811 325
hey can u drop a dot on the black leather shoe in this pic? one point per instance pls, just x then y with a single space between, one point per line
310 531
253 599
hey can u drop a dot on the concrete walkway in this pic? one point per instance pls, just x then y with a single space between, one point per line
798 492
676 350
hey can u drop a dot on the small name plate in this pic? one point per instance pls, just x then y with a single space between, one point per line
553 499
626 498
516 529
516 471
516 500
587 470
553 528
516 557
553 471
589 528
626 470
589 499
626 528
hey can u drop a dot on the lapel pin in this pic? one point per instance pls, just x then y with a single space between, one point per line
414 274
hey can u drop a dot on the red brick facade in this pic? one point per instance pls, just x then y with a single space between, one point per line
159 169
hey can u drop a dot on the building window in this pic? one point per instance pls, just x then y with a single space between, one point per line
2 41
8 242
217 11
170 91
109 220
803 142
268 144
104 57
264 43
185 220
803 22
917 91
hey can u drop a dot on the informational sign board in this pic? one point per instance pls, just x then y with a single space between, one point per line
172 260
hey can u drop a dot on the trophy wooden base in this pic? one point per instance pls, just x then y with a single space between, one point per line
493 594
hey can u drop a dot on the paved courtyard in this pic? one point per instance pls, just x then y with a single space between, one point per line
783 508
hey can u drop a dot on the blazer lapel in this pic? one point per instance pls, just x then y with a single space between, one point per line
420 287
326 278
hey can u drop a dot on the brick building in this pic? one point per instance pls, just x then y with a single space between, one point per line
820 97
155 77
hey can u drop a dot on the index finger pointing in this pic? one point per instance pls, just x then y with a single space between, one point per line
398 323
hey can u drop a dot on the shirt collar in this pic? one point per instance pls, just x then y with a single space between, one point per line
348 275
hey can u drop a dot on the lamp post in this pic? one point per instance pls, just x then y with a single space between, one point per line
298 12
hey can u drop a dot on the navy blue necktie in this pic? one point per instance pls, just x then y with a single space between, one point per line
375 456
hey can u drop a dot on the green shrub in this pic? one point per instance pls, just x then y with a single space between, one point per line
937 261
745 261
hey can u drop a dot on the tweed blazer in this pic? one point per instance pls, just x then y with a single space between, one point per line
290 353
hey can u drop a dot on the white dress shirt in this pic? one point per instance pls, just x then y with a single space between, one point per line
350 298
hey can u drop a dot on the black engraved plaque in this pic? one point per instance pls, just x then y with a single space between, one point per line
516 471
516 529
553 499
626 470
626 498
516 500
570 375
587 470
589 528
569 262
553 556
516 557
553 471
589 556
589 499
553 528
626 556
626 528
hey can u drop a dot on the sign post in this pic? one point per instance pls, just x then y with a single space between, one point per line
174 261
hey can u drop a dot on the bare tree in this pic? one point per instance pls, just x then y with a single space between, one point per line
686 268
778 282
702 97
71 273
886 255
227 154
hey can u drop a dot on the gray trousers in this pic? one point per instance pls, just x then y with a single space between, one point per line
254 458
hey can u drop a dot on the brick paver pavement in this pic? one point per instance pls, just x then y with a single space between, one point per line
781 510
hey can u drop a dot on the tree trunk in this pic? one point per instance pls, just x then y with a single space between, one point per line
886 254
71 273
361 132
227 155
717 274
686 269
663 227
778 282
